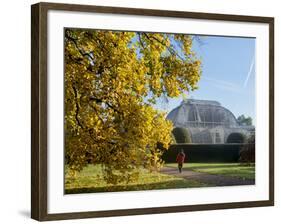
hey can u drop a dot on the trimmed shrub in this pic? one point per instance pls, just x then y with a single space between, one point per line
236 138
247 153
181 135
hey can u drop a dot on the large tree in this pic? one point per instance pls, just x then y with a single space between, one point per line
112 81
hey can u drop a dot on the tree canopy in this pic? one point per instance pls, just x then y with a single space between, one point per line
243 120
112 81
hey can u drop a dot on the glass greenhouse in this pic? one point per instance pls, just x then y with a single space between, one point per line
209 122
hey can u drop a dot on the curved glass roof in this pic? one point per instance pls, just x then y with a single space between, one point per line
196 113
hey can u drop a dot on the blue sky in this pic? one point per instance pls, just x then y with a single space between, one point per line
228 74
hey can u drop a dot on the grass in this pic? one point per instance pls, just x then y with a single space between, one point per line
90 180
226 169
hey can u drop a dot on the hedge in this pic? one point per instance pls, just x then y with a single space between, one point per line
204 152
236 138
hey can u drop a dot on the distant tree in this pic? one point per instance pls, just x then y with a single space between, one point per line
243 120
247 153
181 135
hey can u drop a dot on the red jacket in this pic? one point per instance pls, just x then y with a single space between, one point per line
180 157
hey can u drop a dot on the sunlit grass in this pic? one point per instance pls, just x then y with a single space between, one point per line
227 169
90 180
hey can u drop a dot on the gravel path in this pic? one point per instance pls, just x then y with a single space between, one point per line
217 180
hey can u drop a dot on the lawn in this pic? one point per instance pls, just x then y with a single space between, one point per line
227 169
90 180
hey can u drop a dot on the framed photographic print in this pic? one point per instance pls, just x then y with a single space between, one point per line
139 111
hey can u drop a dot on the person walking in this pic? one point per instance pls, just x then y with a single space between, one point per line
180 160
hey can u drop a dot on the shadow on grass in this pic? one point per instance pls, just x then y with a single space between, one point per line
138 187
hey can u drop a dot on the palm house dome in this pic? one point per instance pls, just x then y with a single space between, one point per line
207 121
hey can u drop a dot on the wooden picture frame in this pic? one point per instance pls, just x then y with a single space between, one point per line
39 110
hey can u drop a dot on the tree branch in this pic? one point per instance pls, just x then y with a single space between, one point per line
102 101
81 51
77 106
140 40
170 49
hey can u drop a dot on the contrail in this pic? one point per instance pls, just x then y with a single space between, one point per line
250 72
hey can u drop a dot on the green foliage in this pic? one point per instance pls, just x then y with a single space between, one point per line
243 120
181 135
112 81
